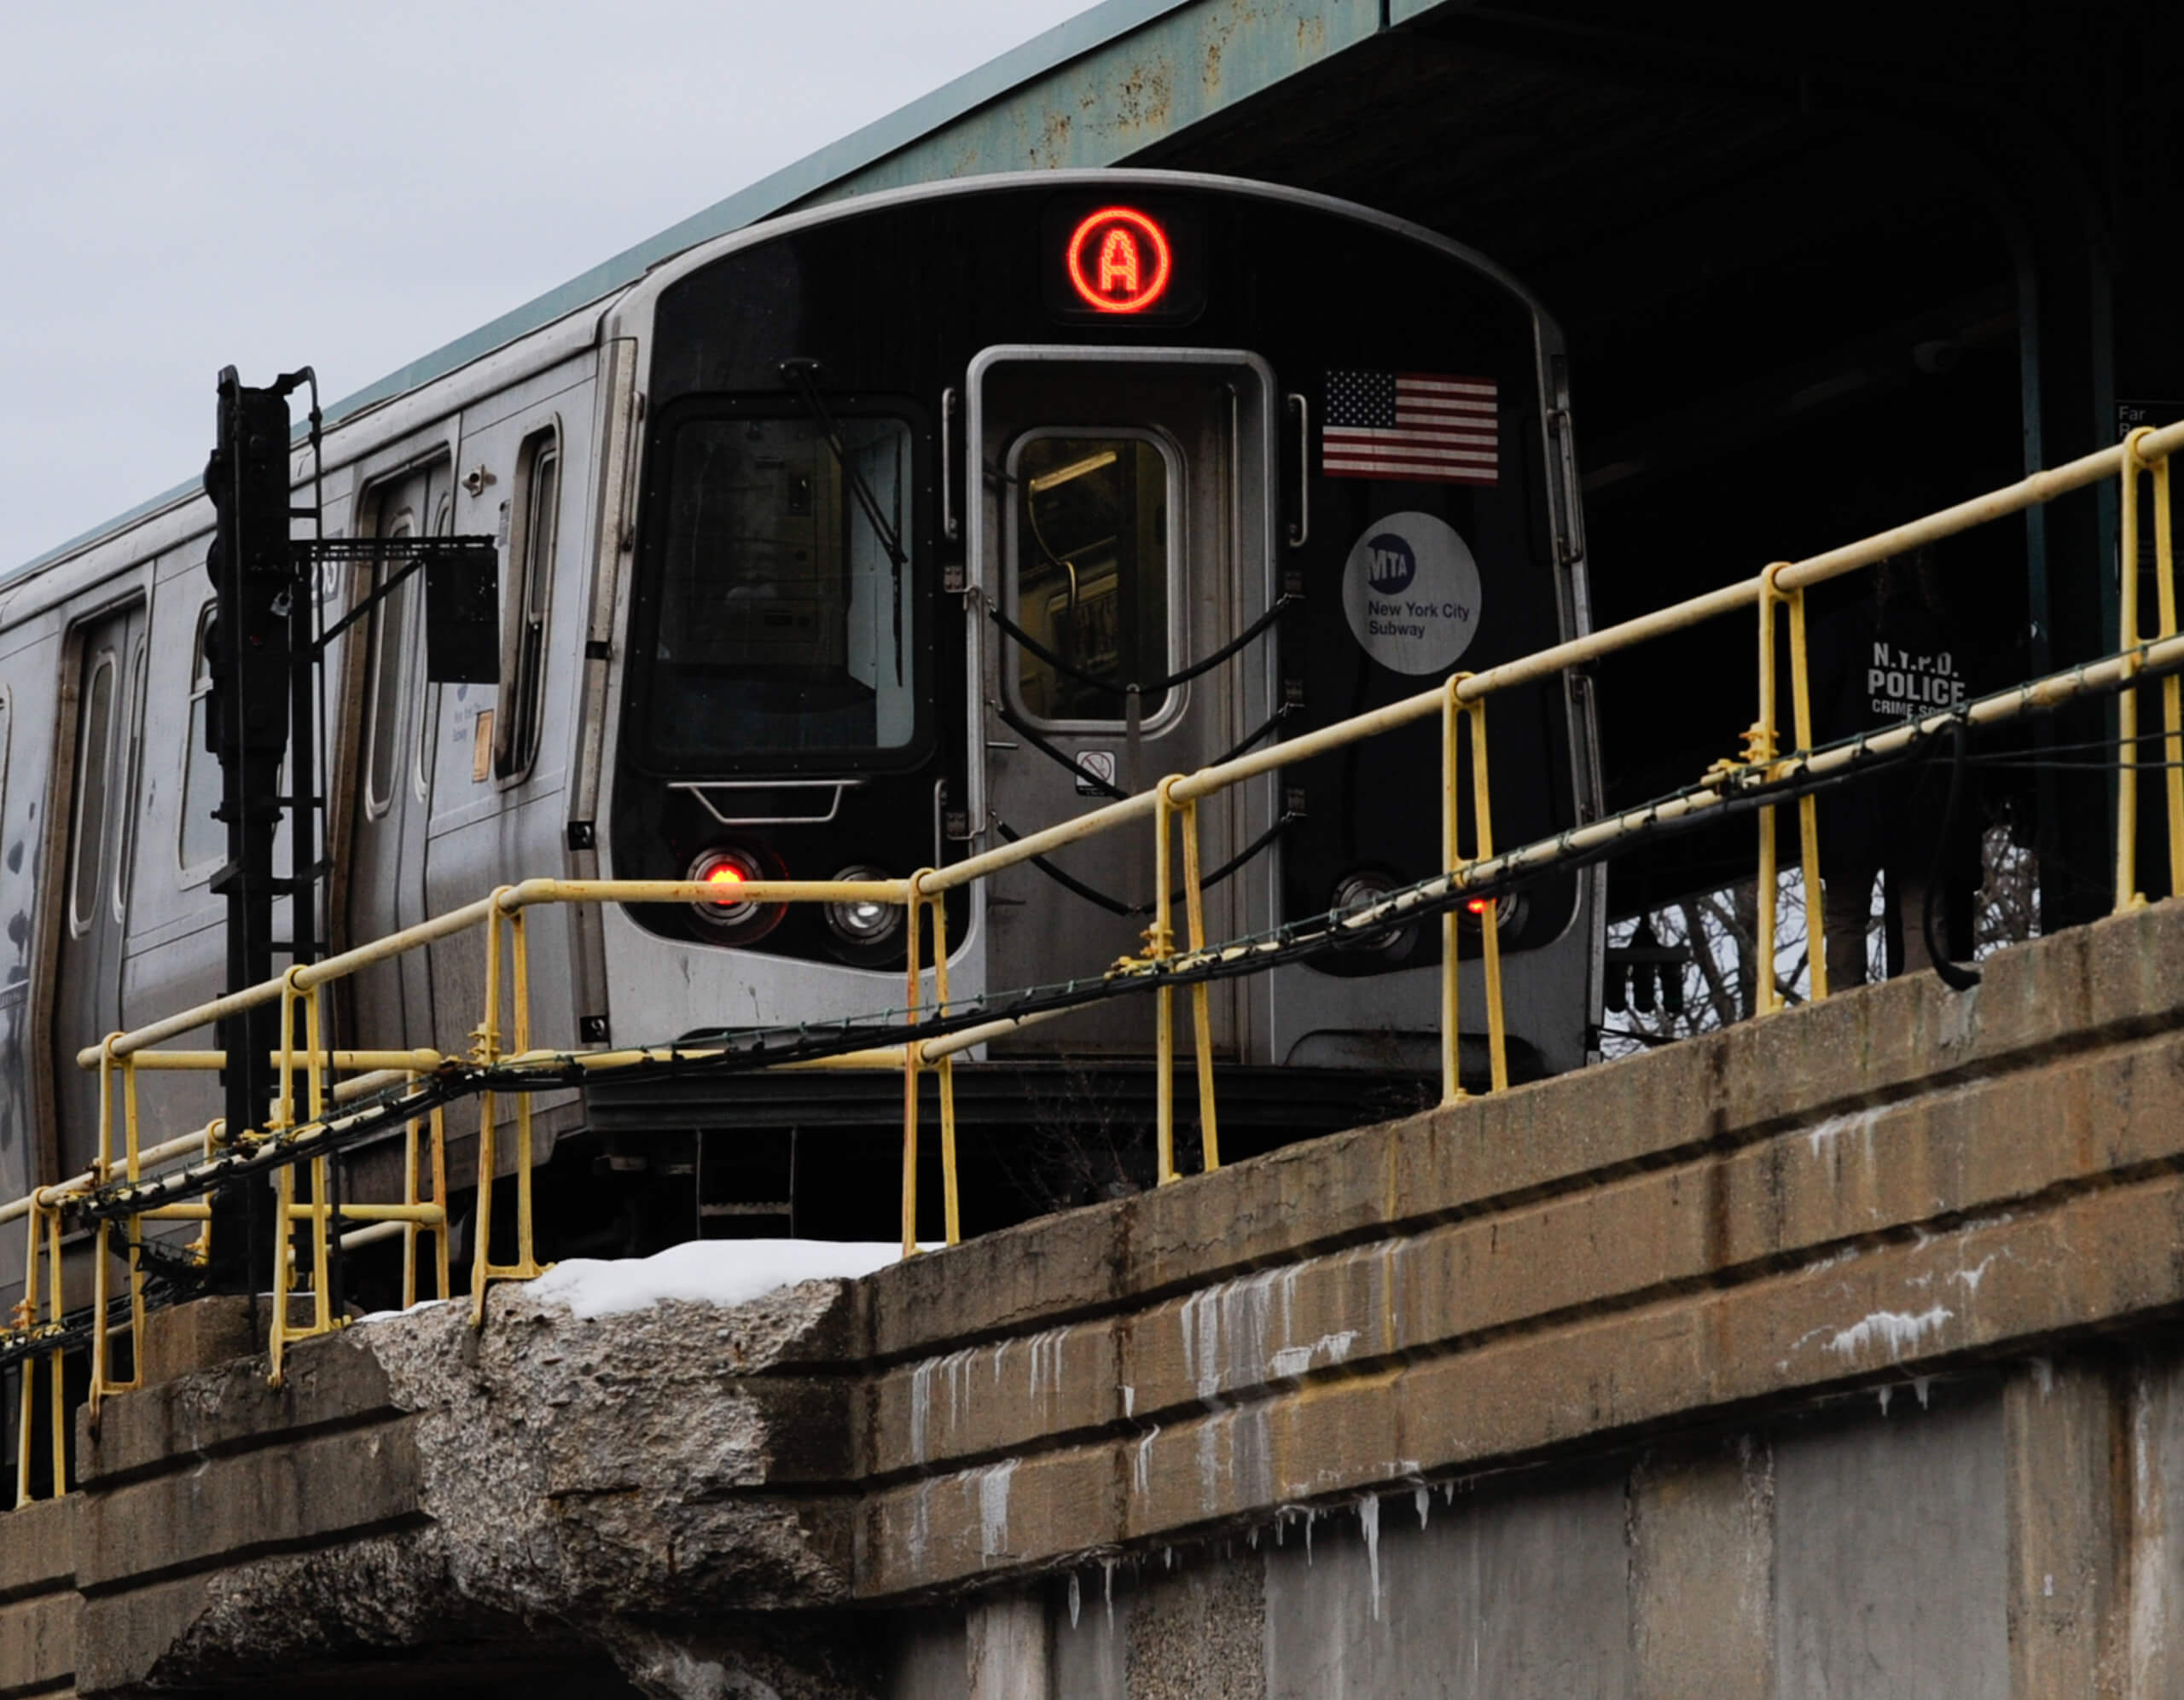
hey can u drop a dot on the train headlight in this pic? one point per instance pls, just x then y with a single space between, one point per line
1360 889
731 916
863 924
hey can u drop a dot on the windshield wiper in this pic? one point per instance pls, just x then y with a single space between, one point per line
804 373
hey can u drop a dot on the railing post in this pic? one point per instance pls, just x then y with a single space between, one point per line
913 1054
1489 919
1201 992
1451 918
1768 997
2127 894
485 1049
27 1320
2172 687
102 1172
944 1069
1159 946
1809 804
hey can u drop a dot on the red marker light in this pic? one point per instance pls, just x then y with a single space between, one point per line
727 874
1119 260
1479 906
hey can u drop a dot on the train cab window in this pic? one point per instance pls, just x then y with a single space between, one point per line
787 613
1091 570
94 771
523 652
204 839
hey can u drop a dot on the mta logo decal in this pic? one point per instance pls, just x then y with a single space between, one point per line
1391 564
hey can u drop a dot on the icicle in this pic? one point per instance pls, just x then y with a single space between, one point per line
1075 1599
1167 1557
1886 1393
1107 1565
1368 1518
1253 1537
1921 1385
1422 1497
1310 1516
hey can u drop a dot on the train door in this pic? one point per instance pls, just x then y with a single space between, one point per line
392 773
109 685
1123 534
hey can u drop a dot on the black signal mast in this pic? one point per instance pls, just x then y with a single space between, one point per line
265 648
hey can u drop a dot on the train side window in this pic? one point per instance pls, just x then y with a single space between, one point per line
94 762
132 781
204 839
1092 567
523 652
383 681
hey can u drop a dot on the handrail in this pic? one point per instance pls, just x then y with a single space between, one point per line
1763 772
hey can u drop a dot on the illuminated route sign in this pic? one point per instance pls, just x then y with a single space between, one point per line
1123 264
1119 260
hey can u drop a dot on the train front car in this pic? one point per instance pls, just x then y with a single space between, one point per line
946 501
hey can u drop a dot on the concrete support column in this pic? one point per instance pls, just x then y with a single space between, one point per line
1007 1657
1701 1525
2067 1456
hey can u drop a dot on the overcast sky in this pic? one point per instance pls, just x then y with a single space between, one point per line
351 185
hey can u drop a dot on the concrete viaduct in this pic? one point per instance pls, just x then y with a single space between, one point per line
1832 1354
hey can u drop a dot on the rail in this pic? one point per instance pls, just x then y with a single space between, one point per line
314 1081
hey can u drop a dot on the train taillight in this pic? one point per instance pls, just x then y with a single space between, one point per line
730 917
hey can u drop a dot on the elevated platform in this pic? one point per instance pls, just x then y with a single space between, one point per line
1833 1354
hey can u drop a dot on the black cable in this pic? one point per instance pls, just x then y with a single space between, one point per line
1084 775
1115 906
1250 633
1956 977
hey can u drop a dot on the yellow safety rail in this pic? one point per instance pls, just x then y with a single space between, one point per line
1171 806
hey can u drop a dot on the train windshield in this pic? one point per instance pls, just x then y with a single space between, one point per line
785 610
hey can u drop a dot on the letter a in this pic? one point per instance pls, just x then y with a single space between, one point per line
1119 262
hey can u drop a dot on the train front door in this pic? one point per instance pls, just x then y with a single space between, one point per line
1121 521
94 897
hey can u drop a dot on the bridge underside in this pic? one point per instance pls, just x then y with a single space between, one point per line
1833 1354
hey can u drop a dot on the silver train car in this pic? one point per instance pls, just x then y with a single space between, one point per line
864 539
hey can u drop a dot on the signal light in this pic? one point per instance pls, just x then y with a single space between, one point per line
1479 906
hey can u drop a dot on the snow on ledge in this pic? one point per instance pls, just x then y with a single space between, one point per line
722 1272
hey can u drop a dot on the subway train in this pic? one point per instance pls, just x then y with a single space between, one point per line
853 542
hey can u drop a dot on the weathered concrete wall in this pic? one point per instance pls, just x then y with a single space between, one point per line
1649 1317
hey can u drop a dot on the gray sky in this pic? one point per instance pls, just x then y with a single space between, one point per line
351 185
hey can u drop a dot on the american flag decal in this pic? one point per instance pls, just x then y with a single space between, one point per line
1410 425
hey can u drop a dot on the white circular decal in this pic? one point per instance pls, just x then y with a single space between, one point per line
1411 591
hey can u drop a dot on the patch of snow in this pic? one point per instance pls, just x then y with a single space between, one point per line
1973 1277
383 1315
723 1272
1897 1330
993 1509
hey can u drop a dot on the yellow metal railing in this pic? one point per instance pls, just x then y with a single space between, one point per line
1459 702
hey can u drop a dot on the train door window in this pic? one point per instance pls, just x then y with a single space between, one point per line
1093 563
383 685
133 780
94 769
204 839
787 615
523 654
427 715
